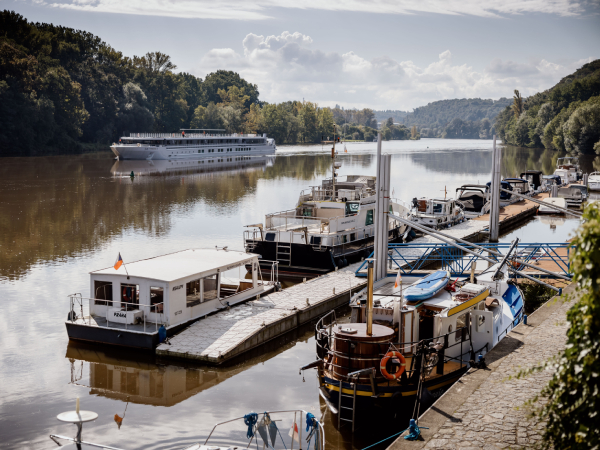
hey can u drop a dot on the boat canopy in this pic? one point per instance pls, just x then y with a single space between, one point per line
534 177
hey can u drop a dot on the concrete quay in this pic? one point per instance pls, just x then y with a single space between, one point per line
230 332
486 408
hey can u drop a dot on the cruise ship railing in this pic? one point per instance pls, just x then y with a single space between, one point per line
189 135
79 309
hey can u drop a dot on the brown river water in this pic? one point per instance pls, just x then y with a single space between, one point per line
63 216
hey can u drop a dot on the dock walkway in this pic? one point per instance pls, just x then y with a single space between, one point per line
485 409
231 332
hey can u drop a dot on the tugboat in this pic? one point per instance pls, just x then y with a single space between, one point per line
401 342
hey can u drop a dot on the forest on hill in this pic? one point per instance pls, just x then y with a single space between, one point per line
62 90
565 117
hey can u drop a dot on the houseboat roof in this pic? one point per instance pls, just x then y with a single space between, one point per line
182 264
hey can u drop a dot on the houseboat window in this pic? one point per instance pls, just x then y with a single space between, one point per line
344 238
461 322
352 208
192 293
352 236
369 220
130 296
210 288
315 240
270 237
156 299
437 208
102 292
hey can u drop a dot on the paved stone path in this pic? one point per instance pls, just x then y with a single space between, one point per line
486 409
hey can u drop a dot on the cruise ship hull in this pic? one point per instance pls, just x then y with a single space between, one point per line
133 152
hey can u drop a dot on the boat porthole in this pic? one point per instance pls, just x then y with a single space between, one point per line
449 328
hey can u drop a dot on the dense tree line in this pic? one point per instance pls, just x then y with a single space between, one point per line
565 117
61 89
466 118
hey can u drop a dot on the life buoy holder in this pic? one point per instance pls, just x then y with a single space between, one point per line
384 361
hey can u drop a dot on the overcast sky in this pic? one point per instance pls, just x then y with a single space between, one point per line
381 54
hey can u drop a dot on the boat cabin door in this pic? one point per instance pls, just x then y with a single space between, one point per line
482 331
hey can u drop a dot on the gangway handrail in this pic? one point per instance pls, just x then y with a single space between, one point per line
438 235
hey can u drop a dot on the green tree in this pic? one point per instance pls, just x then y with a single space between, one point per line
573 393
223 79
517 106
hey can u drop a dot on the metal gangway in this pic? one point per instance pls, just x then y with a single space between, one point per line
418 258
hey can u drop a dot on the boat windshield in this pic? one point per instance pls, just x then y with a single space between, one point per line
438 207
352 208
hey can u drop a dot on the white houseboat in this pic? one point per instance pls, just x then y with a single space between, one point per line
191 144
594 181
142 302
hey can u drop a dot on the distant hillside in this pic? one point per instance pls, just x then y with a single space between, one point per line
565 117
466 118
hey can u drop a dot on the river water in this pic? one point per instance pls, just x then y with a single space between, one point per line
63 216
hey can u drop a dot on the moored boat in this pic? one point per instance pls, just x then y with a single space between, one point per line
474 198
191 144
594 181
332 226
568 169
139 304
437 213
556 201
534 177
385 357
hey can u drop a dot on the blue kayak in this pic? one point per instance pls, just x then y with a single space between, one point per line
428 286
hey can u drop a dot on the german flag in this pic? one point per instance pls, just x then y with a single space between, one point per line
119 262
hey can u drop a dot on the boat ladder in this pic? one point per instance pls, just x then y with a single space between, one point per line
284 253
352 410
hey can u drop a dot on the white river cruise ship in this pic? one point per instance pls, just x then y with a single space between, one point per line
191 144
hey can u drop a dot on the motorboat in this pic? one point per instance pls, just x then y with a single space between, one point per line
474 199
568 169
191 144
556 201
534 177
594 181
573 196
270 427
329 228
140 303
414 344
437 213
582 188
550 180
519 186
506 198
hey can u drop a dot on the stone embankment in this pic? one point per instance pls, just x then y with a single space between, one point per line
486 408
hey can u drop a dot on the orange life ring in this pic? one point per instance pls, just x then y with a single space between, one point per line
384 361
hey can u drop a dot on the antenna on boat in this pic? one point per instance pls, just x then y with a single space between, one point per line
445 192
323 141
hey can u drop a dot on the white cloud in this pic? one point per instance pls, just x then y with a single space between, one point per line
287 67
260 9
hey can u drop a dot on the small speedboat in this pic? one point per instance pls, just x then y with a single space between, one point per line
436 213
474 199
573 196
594 181
534 177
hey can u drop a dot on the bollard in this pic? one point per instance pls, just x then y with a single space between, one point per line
525 319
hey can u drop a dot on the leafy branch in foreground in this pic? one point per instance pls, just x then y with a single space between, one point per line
573 394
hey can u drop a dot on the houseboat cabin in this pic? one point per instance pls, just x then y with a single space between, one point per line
129 306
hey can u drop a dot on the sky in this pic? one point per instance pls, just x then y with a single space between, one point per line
381 54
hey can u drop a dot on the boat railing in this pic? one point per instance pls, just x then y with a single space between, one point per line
190 135
81 308
438 345
299 418
289 218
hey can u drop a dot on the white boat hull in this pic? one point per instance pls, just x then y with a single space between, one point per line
148 152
